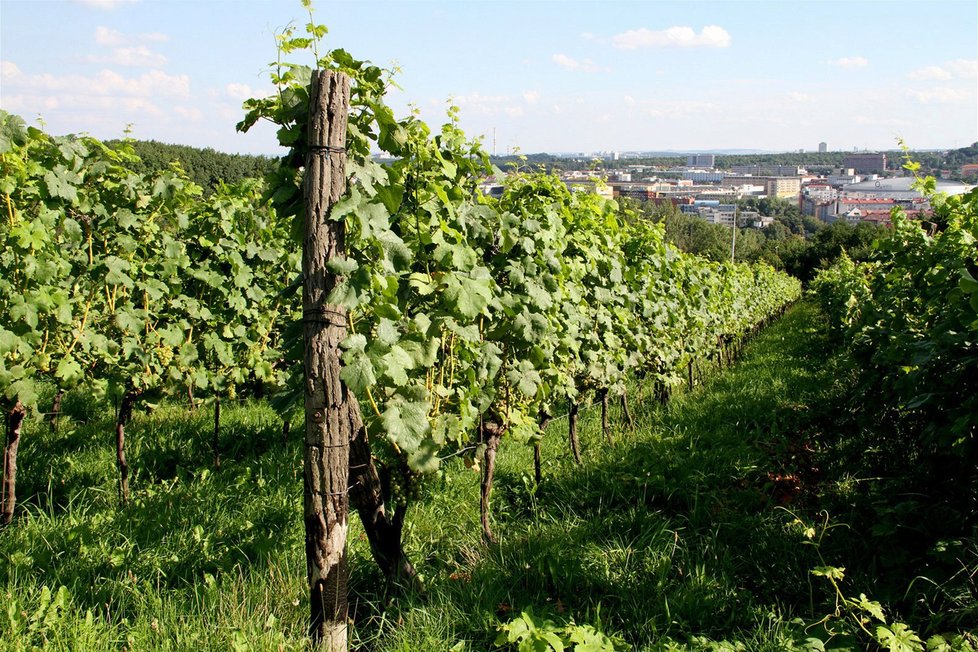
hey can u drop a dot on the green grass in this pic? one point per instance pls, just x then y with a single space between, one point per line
676 533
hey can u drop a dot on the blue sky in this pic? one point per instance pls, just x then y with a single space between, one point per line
571 76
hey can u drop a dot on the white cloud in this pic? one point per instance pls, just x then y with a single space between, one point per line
963 68
591 37
192 114
483 105
103 105
565 61
134 57
514 111
153 83
128 50
110 37
629 100
942 95
795 96
584 65
678 109
242 92
877 121
850 62
930 72
957 69
114 38
227 113
104 4
711 36
531 97
9 69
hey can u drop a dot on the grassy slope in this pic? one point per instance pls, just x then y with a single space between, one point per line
672 532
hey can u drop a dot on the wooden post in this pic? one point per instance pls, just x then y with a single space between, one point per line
328 416
122 420
216 441
575 445
56 409
605 419
14 421
537 463
545 420
626 410
491 433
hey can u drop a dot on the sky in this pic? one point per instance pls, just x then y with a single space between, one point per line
535 75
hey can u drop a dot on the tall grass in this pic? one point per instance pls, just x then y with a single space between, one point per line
673 536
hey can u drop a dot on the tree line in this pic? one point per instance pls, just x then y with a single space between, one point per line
799 245
205 166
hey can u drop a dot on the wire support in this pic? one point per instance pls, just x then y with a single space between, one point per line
327 149
324 315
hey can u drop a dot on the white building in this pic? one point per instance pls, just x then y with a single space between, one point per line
703 176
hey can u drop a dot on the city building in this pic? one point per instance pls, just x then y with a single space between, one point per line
768 170
701 176
754 219
844 177
866 163
700 161
716 212
787 187
744 187
899 189
724 214
874 200
822 148
818 200
598 188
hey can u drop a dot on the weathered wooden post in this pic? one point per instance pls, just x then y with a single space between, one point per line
14 420
328 415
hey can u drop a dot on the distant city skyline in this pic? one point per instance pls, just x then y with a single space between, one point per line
731 152
540 76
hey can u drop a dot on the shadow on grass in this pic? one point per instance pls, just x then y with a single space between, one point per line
185 520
